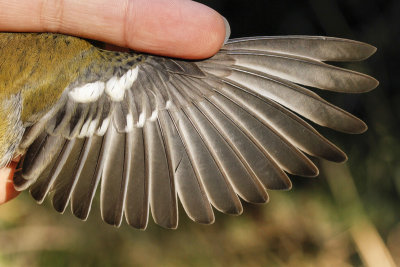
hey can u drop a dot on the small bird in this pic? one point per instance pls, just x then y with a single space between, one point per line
151 130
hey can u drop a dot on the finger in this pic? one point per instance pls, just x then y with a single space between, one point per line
7 190
177 28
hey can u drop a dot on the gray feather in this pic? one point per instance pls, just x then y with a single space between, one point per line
304 71
298 99
293 128
89 177
188 186
204 132
67 178
115 175
137 195
315 47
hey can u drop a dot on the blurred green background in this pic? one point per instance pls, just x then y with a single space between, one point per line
347 216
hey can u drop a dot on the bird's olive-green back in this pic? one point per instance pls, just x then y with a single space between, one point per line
40 67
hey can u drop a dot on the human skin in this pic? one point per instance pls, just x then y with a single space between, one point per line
175 28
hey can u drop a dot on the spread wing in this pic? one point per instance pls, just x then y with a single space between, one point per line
204 132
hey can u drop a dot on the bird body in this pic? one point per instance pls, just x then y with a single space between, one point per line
151 130
28 57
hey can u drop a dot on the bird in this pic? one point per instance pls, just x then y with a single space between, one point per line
150 132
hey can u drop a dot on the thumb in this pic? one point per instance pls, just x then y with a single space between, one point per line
176 28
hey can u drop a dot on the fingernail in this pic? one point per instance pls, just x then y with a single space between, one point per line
227 30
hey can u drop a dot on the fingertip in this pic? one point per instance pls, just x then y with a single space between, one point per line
210 35
213 37
175 28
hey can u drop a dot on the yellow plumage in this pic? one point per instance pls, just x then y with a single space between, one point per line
40 67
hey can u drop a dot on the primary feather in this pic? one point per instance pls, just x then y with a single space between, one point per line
151 130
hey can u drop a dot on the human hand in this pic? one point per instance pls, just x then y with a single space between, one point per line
176 28
7 191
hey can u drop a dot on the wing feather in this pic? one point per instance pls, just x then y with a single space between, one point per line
89 178
114 177
63 186
302 70
204 132
189 187
315 47
137 196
